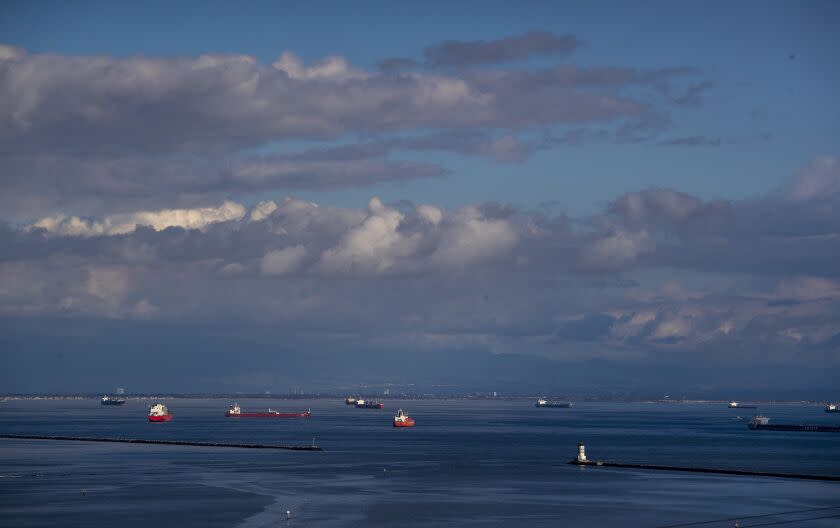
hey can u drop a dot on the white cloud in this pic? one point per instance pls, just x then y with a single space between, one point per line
374 246
332 68
262 210
809 288
121 224
430 213
675 327
616 250
469 237
820 178
283 261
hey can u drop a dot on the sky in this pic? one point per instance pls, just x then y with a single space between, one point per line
602 196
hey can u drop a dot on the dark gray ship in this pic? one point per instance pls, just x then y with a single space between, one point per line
546 403
112 400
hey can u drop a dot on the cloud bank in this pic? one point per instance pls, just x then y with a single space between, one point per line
94 135
656 271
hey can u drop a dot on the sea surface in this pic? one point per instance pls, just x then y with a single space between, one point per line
466 463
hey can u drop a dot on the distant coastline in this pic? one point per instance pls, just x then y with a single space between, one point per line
402 397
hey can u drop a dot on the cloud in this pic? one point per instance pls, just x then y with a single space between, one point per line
693 94
697 141
820 179
97 134
282 261
462 53
262 210
375 246
615 251
471 236
395 64
126 223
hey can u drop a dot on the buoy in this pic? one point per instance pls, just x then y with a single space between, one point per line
288 514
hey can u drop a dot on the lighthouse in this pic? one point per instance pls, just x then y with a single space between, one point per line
581 456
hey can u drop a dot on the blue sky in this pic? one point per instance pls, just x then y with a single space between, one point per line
650 187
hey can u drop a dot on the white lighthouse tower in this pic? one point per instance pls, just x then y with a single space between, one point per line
581 456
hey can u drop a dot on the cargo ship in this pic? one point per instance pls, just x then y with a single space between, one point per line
112 400
159 413
350 400
735 405
545 403
832 408
403 420
362 404
762 423
236 412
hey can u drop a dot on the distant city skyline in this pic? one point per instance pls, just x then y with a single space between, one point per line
605 196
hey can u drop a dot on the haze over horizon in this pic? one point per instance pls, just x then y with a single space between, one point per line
565 198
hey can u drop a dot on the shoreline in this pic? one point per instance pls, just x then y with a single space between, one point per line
397 397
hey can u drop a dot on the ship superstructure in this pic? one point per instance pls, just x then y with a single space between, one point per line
364 404
403 420
159 413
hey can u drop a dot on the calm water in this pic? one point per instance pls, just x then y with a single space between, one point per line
467 463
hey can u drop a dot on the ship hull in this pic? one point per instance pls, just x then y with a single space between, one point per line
162 418
113 402
832 411
267 415
553 405
370 406
407 423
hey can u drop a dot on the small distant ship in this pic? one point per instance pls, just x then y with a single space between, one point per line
735 405
832 408
112 400
762 423
362 404
236 412
118 399
403 420
159 413
545 403
350 400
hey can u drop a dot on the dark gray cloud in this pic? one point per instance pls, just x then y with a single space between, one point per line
51 183
697 141
209 103
396 64
693 95
96 134
508 49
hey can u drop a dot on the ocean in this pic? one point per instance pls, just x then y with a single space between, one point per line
466 463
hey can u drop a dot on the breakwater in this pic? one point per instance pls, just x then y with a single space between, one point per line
189 443
720 471
795 427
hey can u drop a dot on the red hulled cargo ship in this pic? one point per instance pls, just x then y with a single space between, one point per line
236 412
159 413
403 420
